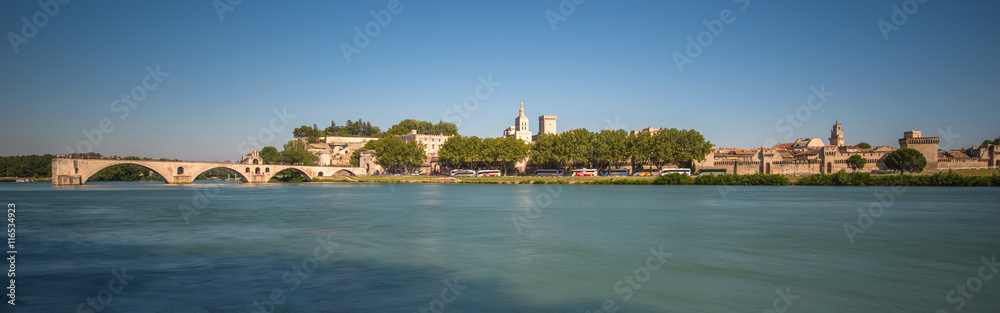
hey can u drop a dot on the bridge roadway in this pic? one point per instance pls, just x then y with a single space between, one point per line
77 171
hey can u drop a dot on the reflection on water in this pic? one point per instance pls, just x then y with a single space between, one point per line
391 247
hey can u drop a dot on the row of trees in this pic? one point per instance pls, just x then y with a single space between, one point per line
361 128
488 153
615 148
423 127
26 166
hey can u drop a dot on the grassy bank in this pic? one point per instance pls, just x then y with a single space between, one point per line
981 178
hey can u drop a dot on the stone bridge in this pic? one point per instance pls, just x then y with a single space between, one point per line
78 171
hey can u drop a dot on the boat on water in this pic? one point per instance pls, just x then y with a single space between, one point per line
23 180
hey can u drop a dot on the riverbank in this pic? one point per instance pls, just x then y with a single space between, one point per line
980 178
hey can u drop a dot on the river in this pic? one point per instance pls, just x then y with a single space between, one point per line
354 247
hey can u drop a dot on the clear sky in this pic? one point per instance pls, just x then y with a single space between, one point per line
604 64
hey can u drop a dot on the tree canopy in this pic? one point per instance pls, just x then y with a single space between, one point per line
423 127
392 154
856 162
906 159
353 129
490 153
613 148
864 145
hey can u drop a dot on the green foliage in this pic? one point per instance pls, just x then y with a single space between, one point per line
394 155
295 153
27 166
310 133
550 151
353 129
423 127
864 145
270 155
673 179
610 149
289 176
490 153
749 180
941 179
856 162
906 159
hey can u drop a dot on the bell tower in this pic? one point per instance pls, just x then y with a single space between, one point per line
837 134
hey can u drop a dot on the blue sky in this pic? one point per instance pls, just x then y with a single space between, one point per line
607 65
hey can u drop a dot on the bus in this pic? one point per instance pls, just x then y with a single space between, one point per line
462 173
645 173
615 172
548 172
719 171
685 171
488 173
583 172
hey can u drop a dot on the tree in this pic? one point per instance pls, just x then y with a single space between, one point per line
856 162
640 147
295 153
270 155
611 148
550 151
906 159
864 145
394 155
310 133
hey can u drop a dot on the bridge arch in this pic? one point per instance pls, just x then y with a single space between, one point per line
343 173
236 170
274 173
84 177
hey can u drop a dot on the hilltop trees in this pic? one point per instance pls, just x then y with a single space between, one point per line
864 145
422 127
856 162
353 129
906 159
